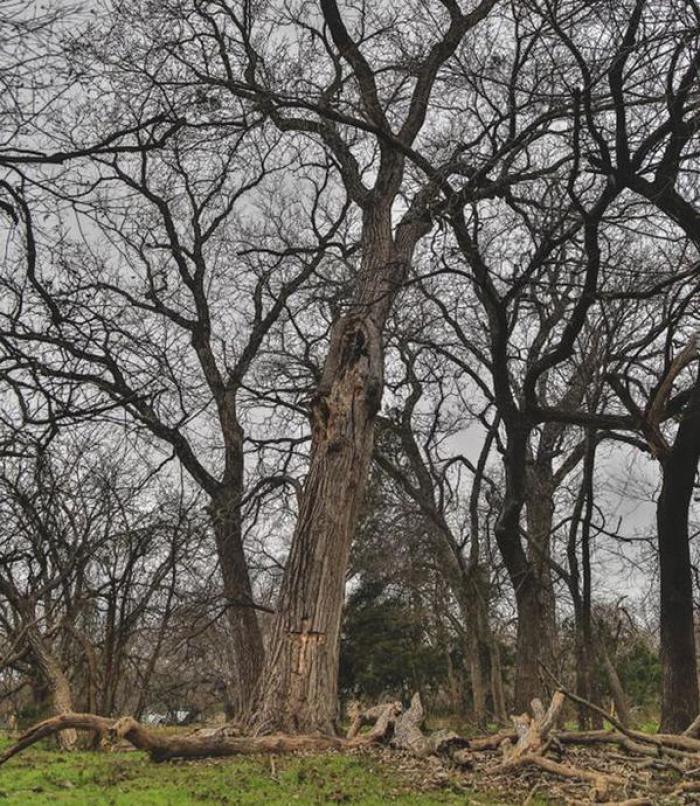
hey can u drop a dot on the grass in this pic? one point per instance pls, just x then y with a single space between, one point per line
42 775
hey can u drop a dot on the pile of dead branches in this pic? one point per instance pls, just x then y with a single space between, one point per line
535 742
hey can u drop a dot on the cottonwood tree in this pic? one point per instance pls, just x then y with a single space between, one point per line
381 121
353 103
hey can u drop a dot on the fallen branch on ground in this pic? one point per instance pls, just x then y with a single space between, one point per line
527 745
534 739
676 745
162 747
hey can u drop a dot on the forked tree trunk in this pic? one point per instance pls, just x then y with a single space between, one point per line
298 692
679 700
247 650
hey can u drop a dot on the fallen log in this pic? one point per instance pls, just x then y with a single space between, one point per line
677 745
526 746
161 747
206 744
601 780
629 802
493 742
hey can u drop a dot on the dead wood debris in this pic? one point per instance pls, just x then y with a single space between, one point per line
570 766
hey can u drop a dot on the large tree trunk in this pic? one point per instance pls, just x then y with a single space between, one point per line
532 638
247 650
299 689
529 643
539 519
679 700
477 680
497 692
57 683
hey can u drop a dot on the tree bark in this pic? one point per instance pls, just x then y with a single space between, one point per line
247 650
679 700
477 679
497 693
91 675
57 683
298 693
531 625
539 519
696 633
580 587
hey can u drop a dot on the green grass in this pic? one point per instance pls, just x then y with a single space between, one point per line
43 775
